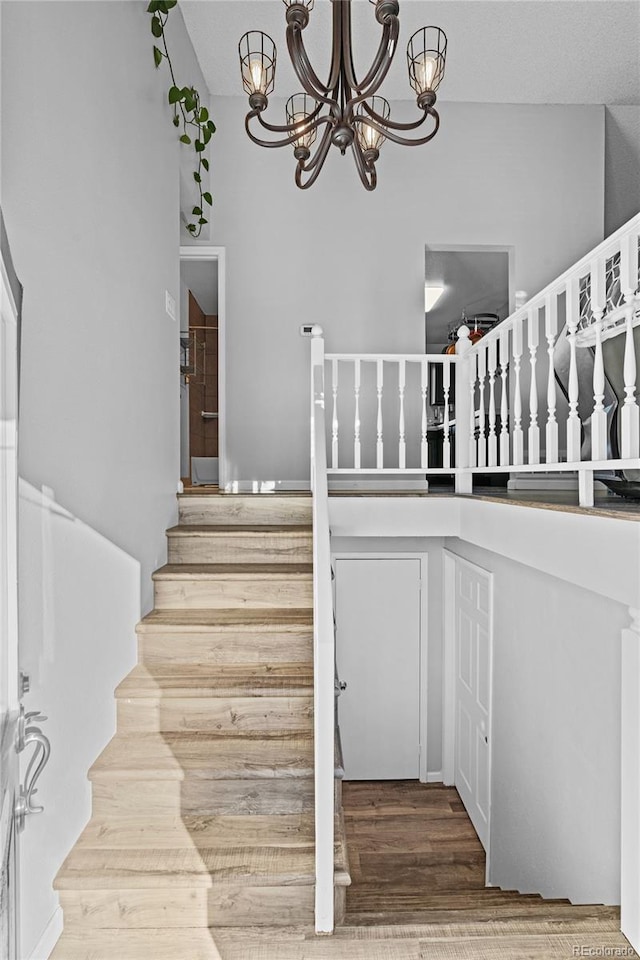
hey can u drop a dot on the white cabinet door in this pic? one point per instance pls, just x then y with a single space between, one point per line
378 616
473 693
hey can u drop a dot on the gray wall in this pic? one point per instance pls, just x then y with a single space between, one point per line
555 823
90 194
527 176
622 165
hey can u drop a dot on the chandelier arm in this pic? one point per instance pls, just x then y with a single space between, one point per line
316 165
403 141
334 72
278 143
302 67
380 67
367 172
287 127
391 124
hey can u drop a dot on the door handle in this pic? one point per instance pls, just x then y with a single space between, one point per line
28 734
339 686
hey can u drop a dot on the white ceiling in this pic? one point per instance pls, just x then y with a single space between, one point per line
500 51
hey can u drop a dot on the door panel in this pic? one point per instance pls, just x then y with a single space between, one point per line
9 771
378 622
473 647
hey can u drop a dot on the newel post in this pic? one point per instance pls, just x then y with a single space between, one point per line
463 412
316 334
630 782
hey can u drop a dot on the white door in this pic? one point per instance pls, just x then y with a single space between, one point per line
473 647
378 622
9 700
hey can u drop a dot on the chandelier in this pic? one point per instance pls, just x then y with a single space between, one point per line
345 112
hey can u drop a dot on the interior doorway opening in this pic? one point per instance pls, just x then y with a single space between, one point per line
201 366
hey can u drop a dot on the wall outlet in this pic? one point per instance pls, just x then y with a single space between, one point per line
170 305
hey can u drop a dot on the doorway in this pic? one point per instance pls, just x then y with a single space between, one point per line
380 610
202 343
468 670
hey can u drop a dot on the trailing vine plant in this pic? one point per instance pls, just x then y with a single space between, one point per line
188 113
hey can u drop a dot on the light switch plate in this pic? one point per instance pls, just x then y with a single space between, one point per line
170 305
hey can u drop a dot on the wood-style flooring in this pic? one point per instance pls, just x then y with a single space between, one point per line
418 893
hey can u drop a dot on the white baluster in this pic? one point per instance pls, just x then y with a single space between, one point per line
356 422
599 415
473 449
518 439
630 423
446 442
334 417
551 331
504 396
463 477
379 440
482 430
533 338
573 420
401 441
492 444
424 446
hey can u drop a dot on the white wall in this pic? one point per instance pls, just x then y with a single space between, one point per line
555 818
527 176
622 165
90 194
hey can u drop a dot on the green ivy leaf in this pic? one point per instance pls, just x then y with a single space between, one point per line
156 26
211 126
202 220
199 145
203 115
170 4
197 177
191 227
185 138
157 56
206 135
176 120
162 6
197 212
175 95
207 196
190 104
204 162
153 6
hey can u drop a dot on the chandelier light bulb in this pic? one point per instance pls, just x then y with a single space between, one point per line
258 76
426 69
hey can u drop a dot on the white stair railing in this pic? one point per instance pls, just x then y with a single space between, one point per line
323 645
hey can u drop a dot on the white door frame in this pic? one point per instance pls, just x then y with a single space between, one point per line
451 561
424 631
204 252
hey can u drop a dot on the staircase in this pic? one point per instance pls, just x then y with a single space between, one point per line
203 801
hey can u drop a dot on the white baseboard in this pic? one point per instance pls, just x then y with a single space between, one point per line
549 481
49 938
389 484
434 776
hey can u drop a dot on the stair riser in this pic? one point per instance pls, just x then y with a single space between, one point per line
231 906
245 510
224 715
242 548
135 798
224 646
220 593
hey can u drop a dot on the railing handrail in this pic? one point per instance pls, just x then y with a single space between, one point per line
576 270
394 357
323 649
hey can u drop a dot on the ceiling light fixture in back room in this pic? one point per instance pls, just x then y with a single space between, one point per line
345 112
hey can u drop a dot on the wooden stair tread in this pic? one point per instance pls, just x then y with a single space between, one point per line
249 618
221 830
191 943
217 494
229 680
240 571
174 756
240 529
